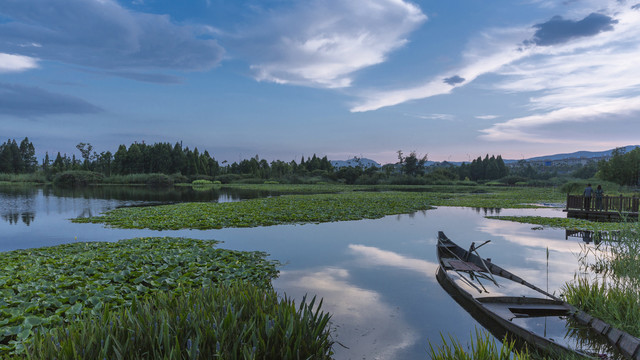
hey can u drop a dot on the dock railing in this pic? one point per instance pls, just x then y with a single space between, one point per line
619 204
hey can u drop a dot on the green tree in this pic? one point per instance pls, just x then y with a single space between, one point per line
85 151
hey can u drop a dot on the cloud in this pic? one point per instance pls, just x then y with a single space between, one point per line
447 117
558 30
535 128
16 63
454 80
102 34
323 42
26 101
591 78
147 77
486 117
356 312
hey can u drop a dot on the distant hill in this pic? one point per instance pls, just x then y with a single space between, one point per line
355 162
366 163
576 155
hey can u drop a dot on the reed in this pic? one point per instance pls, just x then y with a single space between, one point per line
614 294
482 347
234 321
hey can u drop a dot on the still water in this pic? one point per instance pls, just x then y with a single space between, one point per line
377 277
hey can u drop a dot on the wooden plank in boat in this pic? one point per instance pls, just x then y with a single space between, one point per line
460 265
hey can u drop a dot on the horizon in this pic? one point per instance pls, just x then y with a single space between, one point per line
284 79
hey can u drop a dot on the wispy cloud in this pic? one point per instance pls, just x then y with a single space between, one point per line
323 42
103 34
27 101
575 70
487 117
447 117
16 63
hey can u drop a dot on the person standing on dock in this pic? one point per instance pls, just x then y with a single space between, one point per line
599 194
587 197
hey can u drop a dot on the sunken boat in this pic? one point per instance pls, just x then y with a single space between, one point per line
472 280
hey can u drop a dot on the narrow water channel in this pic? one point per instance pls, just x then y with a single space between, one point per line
376 277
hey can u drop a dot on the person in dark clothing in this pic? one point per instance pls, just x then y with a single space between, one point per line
599 195
588 191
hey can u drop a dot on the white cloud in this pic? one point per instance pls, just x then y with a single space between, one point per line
323 42
489 54
103 34
357 313
16 63
487 117
526 128
588 78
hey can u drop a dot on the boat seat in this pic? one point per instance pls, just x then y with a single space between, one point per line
460 265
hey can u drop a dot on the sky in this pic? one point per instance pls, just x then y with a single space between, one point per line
283 79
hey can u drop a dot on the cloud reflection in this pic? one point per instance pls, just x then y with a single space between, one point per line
366 326
372 255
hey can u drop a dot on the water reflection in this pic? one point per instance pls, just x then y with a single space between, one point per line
592 236
376 276
487 211
372 256
13 217
362 322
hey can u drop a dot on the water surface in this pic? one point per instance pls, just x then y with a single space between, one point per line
376 277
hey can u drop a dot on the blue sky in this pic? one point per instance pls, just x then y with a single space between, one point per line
285 78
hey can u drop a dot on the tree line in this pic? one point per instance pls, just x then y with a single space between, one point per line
168 159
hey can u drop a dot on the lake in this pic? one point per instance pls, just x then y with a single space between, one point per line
377 277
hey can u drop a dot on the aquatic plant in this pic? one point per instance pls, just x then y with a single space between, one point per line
482 347
287 209
49 286
565 223
316 208
235 321
613 294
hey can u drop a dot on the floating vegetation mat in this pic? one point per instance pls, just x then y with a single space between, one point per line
564 223
317 208
286 209
49 286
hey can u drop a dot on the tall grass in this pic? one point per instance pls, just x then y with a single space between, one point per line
37 177
613 294
237 321
483 347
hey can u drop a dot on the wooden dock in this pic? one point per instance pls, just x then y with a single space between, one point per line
609 208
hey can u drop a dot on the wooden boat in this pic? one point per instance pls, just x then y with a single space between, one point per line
462 273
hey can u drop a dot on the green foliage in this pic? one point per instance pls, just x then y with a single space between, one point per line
77 178
623 169
300 209
483 347
573 187
201 182
159 180
565 223
37 177
614 296
237 321
286 209
16 159
50 286
489 168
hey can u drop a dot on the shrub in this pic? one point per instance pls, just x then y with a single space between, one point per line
178 178
158 180
228 178
201 182
228 322
77 178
